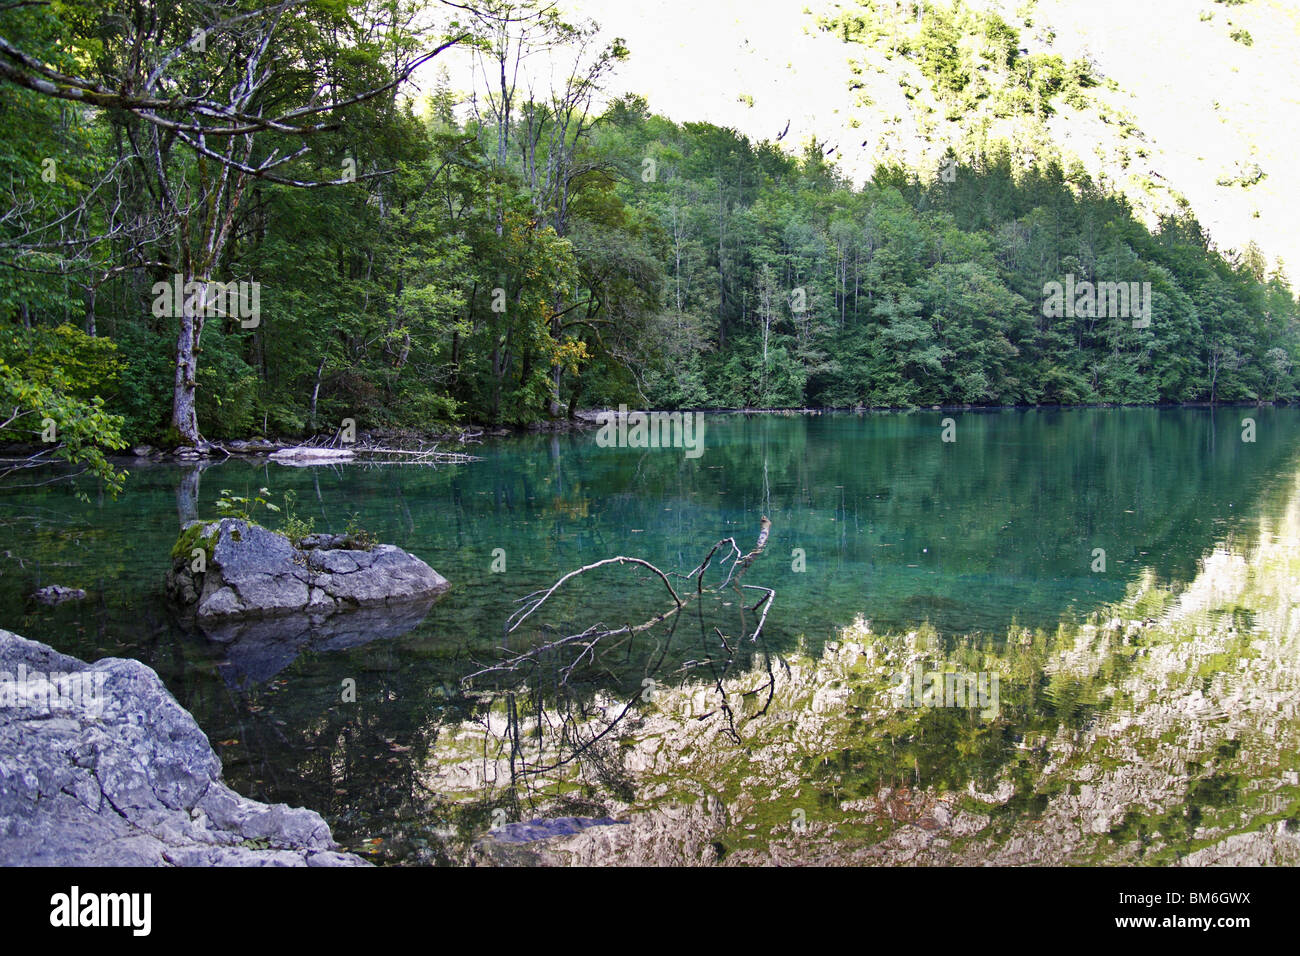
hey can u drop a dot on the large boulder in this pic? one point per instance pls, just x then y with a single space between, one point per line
231 569
100 766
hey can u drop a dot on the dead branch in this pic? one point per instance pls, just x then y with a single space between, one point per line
570 730
621 559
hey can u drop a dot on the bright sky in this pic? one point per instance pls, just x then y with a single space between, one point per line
694 60
1203 101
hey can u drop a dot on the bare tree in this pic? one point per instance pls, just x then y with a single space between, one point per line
551 123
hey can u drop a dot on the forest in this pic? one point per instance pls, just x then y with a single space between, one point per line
442 433
422 256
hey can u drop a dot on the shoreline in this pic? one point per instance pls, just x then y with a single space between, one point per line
258 448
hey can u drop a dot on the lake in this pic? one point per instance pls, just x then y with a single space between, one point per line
996 551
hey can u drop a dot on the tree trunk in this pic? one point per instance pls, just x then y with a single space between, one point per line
315 391
90 311
184 415
557 407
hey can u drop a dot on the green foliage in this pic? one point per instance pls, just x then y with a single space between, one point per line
358 538
192 538
230 505
50 380
227 393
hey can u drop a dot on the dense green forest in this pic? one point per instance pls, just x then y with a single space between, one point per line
510 257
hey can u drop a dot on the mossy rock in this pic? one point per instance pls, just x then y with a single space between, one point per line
196 534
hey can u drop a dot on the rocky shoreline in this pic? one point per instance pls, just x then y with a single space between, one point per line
101 766
585 420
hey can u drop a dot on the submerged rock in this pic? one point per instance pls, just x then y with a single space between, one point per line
100 766
231 569
57 594
534 843
542 829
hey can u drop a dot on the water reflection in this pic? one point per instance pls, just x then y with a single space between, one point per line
258 649
988 540
1162 730
555 714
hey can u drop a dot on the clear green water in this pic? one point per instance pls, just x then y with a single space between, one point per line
994 529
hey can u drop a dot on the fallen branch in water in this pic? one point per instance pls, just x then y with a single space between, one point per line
594 634
308 454
564 718
529 609
429 456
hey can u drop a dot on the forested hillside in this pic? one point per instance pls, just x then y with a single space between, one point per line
535 249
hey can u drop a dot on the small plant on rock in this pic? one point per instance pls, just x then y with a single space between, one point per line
362 539
230 505
295 528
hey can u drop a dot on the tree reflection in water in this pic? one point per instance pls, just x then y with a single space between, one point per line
1162 729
